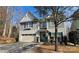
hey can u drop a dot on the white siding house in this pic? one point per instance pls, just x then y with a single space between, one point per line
31 31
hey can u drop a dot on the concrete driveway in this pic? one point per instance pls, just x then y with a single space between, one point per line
20 47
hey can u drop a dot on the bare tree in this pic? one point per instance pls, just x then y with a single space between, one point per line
5 23
57 15
10 16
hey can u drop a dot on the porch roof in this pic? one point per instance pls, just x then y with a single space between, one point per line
42 30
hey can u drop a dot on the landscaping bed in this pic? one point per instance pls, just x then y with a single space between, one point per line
6 40
61 49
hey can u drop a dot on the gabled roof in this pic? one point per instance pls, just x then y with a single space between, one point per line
28 17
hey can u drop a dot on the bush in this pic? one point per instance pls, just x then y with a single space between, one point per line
73 37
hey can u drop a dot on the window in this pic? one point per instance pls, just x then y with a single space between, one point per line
30 24
61 25
50 24
43 25
24 25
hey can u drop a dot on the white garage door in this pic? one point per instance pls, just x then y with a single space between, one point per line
27 38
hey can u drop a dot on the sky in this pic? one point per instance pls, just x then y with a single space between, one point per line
21 10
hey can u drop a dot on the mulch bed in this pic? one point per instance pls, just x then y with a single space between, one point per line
61 49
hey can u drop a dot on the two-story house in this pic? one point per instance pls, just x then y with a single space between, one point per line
30 31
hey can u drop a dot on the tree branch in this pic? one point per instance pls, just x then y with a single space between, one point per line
69 17
64 20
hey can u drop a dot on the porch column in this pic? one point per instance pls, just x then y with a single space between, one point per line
38 38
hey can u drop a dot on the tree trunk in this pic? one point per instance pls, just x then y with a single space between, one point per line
5 25
56 40
4 31
10 30
10 16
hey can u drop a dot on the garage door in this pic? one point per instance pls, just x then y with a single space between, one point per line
27 39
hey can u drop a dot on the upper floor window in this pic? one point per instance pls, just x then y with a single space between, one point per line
28 25
61 25
43 25
50 24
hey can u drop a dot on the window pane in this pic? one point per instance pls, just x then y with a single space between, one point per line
30 24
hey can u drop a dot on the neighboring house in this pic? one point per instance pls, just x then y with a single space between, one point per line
30 31
75 25
75 28
75 22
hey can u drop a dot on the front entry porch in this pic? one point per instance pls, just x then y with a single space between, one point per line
42 36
